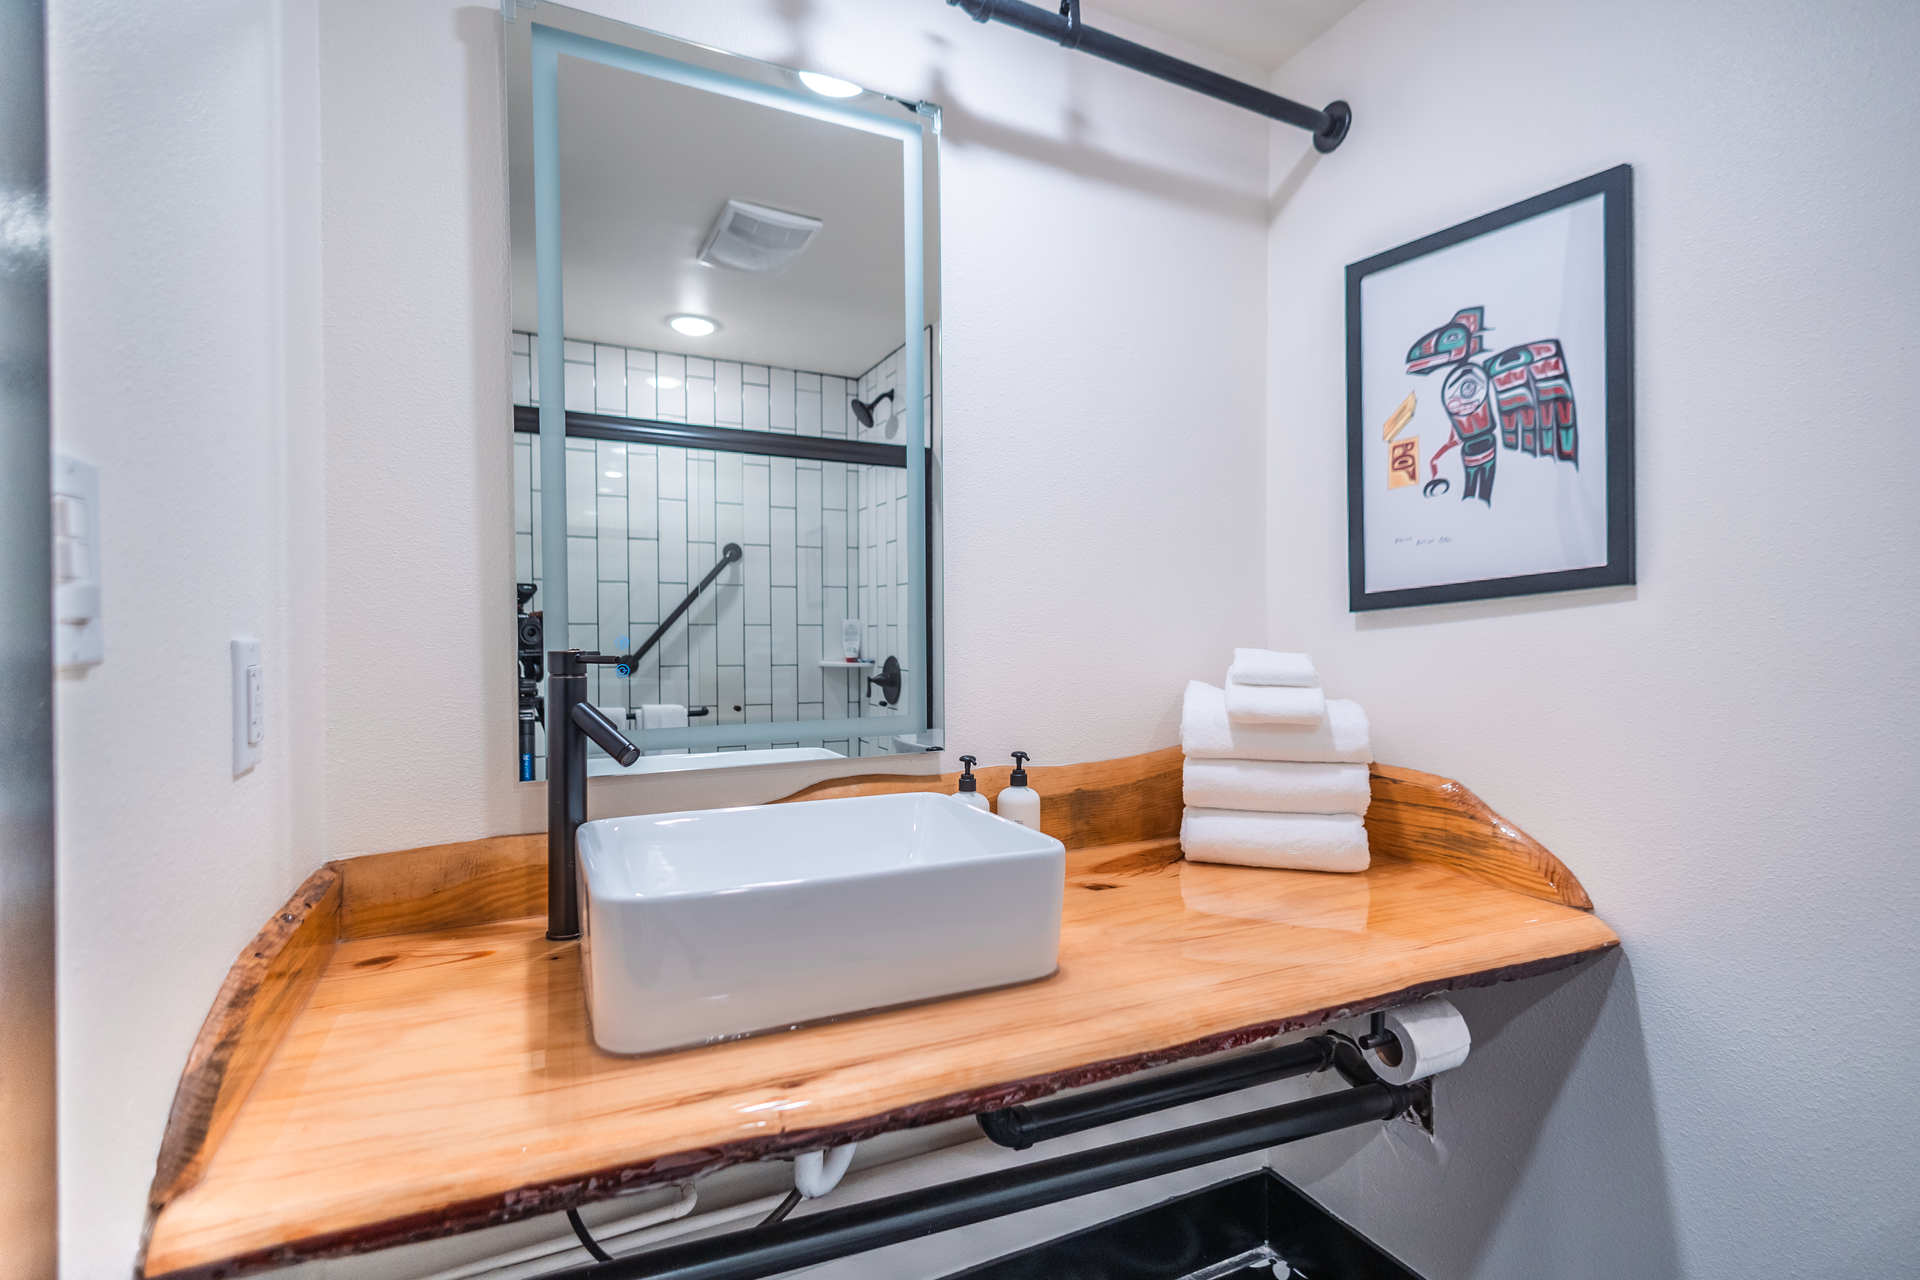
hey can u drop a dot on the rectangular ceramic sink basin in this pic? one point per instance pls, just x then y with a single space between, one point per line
714 923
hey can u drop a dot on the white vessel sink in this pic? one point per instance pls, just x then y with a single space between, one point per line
714 923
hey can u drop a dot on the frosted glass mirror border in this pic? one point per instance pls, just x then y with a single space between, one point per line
548 45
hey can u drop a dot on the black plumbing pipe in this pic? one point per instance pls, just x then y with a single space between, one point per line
836 1233
1328 127
1022 1126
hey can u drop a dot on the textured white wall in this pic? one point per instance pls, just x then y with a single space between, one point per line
185 361
1724 753
268 219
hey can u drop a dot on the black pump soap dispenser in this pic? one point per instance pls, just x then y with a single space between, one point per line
969 786
1019 802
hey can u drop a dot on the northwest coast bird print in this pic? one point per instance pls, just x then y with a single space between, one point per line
1522 391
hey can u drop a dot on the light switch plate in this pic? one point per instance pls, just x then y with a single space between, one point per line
249 711
78 632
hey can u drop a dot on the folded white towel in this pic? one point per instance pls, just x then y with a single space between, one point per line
664 715
1274 704
1301 841
1264 666
1275 786
1207 734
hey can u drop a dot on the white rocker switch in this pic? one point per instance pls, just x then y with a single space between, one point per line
77 628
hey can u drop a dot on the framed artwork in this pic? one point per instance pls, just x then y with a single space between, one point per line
1490 404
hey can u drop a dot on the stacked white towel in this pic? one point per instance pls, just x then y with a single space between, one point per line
1265 667
1276 773
1264 687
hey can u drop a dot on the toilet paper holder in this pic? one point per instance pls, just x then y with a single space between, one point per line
1380 1039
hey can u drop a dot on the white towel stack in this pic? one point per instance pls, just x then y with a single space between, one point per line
1275 773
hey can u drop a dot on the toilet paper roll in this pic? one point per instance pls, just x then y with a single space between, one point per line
1431 1037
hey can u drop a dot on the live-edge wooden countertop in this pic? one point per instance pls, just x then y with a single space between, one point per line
431 1071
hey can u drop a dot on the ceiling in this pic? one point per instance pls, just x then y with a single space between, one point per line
647 165
1264 33
645 168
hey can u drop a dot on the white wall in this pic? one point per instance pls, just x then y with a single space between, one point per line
185 359
1725 753
267 218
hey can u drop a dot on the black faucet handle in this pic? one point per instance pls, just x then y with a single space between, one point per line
594 723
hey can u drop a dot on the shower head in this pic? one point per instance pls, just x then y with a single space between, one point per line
864 411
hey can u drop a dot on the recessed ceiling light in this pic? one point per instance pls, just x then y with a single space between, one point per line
692 326
611 475
828 86
664 381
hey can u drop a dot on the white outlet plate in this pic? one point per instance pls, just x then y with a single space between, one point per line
249 713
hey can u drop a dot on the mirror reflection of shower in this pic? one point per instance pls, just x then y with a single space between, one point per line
821 540
737 390
863 412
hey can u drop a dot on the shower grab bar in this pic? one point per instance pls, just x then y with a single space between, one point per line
1328 127
729 554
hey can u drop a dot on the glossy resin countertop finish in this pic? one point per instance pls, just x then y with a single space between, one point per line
444 1079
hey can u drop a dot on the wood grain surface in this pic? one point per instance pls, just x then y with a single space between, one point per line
264 990
443 886
1415 816
442 1081
1106 802
1423 817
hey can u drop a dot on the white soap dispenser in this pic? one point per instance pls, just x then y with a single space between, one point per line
1018 802
969 787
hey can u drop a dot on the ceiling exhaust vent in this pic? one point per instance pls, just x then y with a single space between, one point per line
752 237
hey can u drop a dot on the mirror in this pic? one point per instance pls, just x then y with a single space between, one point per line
727 270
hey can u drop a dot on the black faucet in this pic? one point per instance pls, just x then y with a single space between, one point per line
571 720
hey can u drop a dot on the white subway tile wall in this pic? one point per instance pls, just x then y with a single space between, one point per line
823 541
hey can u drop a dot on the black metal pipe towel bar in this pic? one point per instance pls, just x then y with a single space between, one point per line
1328 127
836 1233
1022 1126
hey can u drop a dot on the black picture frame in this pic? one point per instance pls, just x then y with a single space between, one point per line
1616 187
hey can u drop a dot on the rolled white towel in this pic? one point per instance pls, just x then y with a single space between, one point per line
1299 841
1274 704
664 715
1275 786
1207 734
1264 666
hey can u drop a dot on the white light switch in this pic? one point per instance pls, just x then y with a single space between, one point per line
78 633
249 706
256 725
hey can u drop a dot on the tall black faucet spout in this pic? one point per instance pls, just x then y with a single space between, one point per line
571 720
594 723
